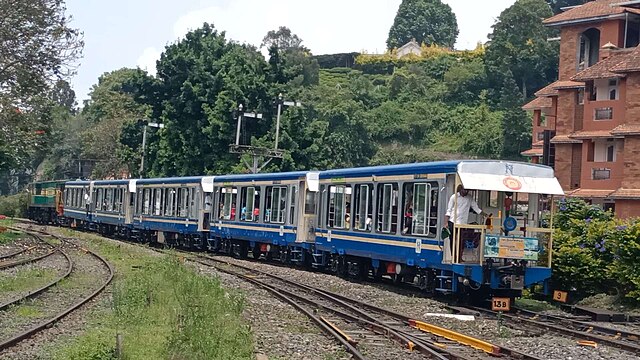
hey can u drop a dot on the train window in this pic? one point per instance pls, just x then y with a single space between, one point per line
420 212
192 204
169 202
292 204
250 204
228 204
146 199
183 202
363 207
339 211
387 221
157 202
109 198
99 197
276 205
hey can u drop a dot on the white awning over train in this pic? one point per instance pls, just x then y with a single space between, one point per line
509 176
207 183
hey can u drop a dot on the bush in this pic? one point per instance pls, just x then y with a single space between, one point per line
14 205
595 253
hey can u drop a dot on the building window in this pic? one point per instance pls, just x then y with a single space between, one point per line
541 136
613 89
601 174
610 153
603 113
589 47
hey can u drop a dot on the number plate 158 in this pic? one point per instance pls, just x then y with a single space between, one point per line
500 304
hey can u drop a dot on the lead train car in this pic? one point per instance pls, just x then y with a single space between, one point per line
389 220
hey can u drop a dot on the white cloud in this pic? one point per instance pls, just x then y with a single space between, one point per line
330 26
147 61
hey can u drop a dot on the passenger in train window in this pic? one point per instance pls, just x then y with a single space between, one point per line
408 214
233 211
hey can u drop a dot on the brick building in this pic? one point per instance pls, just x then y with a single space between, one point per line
587 124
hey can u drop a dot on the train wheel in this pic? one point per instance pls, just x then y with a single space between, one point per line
256 252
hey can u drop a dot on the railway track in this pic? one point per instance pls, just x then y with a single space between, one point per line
21 335
587 332
429 340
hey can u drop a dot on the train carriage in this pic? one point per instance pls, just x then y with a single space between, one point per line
259 213
389 220
77 203
172 210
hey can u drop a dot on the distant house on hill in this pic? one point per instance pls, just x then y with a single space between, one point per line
412 47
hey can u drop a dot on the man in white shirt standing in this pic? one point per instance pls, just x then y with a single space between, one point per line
460 212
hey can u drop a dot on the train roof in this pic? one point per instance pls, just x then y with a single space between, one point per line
170 180
261 177
111 182
436 167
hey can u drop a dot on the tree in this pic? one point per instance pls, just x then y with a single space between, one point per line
518 44
120 97
204 79
63 95
283 38
516 125
557 5
426 21
37 46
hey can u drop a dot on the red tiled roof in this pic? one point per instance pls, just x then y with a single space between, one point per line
552 89
629 63
590 134
537 104
538 143
603 69
626 194
532 152
564 139
590 10
591 193
626 129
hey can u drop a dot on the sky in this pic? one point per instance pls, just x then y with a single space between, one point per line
130 33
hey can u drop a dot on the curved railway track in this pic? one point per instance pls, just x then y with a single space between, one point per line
437 343
584 331
22 335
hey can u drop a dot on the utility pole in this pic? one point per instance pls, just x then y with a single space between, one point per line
144 142
280 104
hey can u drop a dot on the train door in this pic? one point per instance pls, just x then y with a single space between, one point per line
206 203
307 200
129 202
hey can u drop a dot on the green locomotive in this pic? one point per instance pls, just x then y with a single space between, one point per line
45 201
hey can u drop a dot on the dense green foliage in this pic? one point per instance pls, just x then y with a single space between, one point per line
14 205
427 21
374 109
37 47
595 253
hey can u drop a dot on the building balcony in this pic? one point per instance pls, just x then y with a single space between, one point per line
601 175
603 115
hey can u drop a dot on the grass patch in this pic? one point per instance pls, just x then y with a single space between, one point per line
534 305
163 310
26 279
28 311
9 236
7 222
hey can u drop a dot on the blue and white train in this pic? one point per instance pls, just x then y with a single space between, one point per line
359 222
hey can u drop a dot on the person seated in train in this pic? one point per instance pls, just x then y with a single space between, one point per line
256 213
243 213
408 217
465 203
233 211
